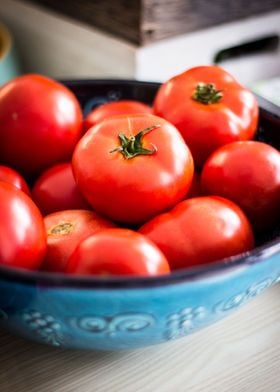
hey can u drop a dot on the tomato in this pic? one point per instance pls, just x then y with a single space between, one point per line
56 190
13 177
114 108
200 230
40 123
130 168
209 107
22 232
117 252
65 230
248 173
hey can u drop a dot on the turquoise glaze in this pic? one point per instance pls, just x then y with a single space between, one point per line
117 313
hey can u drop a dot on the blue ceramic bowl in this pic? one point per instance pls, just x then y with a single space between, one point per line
117 313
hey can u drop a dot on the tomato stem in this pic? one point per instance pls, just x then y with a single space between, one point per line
132 146
207 93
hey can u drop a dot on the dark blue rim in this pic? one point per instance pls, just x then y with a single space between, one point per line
201 272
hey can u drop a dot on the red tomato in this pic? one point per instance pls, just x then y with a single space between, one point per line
248 173
13 177
209 107
130 168
117 252
113 109
65 230
22 232
56 190
40 123
200 230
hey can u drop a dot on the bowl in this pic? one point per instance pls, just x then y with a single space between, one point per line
116 313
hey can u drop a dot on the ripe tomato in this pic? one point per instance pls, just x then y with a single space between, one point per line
130 168
113 109
13 177
40 123
65 230
248 173
200 230
117 252
22 232
195 189
209 107
56 190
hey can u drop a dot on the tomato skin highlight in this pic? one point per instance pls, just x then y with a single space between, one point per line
65 230
132 190
22 232
248 173
117 252
205 127
114 108
56 190
11 176
199 231
40 123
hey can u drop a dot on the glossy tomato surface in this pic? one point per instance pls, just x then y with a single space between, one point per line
11 176
22 232
40 123
65 230
130 168
56 190
114 108
200 230
209 107
247 173
117 252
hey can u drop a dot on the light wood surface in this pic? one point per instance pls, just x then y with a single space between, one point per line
240 353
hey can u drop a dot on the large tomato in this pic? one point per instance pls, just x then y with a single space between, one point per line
114 108
248 173
11 176
209 107
117 252
40 123
200 230
65 230
22 231
130 168
56 190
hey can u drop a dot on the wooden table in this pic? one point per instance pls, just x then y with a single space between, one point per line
240 353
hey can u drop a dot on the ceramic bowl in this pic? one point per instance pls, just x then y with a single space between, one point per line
9 64
117 313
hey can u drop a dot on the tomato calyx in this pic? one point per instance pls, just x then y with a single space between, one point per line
207 93
61 229
132 146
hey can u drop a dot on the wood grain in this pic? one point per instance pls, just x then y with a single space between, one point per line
238 354
145 21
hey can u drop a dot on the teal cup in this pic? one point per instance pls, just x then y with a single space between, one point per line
9 64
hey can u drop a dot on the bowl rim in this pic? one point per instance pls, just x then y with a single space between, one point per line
200 272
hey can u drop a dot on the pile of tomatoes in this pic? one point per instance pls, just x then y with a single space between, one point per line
133 189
